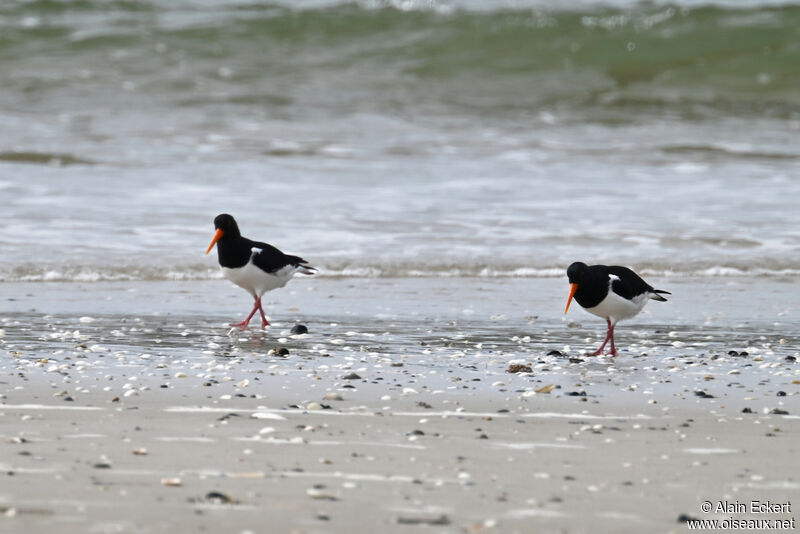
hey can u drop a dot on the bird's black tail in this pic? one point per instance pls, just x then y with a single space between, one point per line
656 295
302 266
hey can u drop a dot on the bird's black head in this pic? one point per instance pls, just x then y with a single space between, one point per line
575 272
227 224
226 228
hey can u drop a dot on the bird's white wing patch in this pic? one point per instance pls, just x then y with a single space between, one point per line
613 277
256 250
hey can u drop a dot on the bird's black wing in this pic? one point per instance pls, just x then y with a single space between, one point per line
270 259
629 284
267 257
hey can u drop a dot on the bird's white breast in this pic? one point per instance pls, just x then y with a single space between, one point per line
256 281
616 308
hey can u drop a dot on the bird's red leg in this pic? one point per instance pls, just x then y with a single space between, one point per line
613 350
609 335
264 321
244 323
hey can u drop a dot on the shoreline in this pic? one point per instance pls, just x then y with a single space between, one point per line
126 409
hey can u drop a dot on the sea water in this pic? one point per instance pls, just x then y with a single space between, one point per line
400 139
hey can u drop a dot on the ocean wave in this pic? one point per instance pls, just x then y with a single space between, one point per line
91 274
693 59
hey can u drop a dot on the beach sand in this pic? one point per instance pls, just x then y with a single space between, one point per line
131 407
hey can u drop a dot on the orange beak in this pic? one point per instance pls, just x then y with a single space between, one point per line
572 289
217 236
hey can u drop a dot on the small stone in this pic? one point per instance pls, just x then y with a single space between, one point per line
333 396
791 358
351 376
171 482
280 351
102 465
298 329
781 394
216 497
778 411
317 494
747 410
441 521
519 368
141 451
703 395
554 353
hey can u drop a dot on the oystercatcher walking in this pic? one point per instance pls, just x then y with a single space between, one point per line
611 292
255 266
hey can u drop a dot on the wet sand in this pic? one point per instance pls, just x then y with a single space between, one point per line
126 408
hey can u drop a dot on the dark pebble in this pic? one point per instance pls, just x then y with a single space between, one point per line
744 353
323 517
791 359
576 360
68 399
519 368
416 433
702 394
298 329
423 404
778 411
747 410
781 393
441 521
575 393
216 497
282 351
554 353
351 376
102 466
732 353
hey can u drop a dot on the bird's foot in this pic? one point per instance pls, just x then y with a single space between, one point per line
264 323
242 325
599 352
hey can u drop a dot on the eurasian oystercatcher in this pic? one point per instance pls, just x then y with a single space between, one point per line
255 266
611 292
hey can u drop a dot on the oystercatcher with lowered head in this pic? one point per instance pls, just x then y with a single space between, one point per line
255 266
611 292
